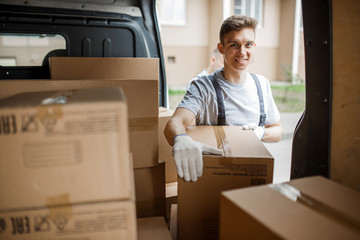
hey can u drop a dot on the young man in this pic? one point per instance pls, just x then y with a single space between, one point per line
246 99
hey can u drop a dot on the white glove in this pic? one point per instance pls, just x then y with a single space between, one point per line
259 131
188 156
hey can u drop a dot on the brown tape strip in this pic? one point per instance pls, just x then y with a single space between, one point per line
294 194
59 207
222 141
143 124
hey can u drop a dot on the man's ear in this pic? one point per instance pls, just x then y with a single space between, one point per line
220 47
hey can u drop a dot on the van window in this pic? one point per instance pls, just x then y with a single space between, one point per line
21 49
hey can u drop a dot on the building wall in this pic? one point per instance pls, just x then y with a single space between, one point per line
191 45
187 45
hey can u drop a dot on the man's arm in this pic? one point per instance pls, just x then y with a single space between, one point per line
273 133
187 152
178 123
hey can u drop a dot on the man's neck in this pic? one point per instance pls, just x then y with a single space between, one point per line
236 77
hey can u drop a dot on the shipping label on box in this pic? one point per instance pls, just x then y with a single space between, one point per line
107 220
64 147
246 162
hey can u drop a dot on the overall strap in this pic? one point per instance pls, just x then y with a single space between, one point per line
261 100
220 101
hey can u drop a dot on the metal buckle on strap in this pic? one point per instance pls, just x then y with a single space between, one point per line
262 120
221 119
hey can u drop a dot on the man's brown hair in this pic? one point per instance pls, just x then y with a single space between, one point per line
236 23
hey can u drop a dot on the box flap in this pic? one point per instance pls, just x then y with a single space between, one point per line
234 141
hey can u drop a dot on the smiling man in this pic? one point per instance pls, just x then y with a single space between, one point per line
229 96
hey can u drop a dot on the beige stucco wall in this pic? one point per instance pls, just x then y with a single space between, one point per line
187 44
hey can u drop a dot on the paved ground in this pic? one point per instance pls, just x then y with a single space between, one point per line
281 151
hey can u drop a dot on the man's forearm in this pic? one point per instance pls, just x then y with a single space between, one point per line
173 128
272 134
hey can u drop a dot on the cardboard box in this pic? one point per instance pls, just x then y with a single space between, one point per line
74 68
153 228
246 162
142 100
143 104
171 197
165 149
65 169
104 220
173 221
150 191
74 150
308 208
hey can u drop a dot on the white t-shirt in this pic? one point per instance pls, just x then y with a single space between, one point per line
241 101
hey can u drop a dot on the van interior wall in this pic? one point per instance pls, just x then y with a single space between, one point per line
345 141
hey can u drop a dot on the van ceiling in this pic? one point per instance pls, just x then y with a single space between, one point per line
129 7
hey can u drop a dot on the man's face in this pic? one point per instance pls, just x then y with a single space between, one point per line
238 49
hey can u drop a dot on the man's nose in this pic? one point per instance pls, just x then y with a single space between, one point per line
241 50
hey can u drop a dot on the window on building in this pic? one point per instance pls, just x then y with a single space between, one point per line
252 8
171 12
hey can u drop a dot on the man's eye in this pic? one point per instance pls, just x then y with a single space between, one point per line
234 45
249 45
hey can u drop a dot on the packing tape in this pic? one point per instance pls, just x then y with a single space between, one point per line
143 124
60 209
51 108
295 195
222 141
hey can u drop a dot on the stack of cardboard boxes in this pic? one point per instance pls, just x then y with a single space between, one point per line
138 78
65 167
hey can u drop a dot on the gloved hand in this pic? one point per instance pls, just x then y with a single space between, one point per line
259 131
188 156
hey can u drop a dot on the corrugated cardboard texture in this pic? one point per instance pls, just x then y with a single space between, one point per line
165 149
153 228
318 213
150 191
74 68
247 163
107 220
70 152
142 100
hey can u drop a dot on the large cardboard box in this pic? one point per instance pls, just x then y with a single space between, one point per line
308 208
143 105
246 162
165 149
142 99
150 191
64 154
153 228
